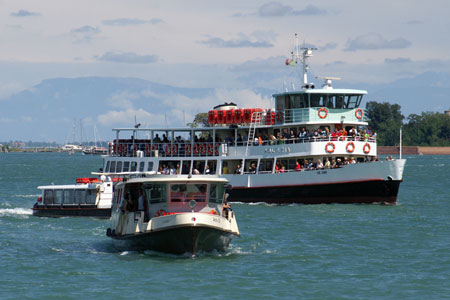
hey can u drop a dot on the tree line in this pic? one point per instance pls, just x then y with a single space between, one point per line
426 129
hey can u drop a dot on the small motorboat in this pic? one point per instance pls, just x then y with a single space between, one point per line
89 197
172 214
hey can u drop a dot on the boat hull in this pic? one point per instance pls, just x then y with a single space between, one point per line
177 240
57 212
377 191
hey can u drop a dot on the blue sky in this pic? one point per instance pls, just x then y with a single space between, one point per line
234 46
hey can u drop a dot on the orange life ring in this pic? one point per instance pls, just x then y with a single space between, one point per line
279 117
195 149
148 149
160 213
210 149
174 150
366 148
352 145
167 149
216 149
203 149
321 110
359 113
188 149
327 147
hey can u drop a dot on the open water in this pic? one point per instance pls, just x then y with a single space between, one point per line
285 252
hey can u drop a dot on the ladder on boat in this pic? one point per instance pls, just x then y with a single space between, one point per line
255 120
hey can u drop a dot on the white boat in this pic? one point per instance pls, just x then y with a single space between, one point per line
241 145
89 197
173 214
71 148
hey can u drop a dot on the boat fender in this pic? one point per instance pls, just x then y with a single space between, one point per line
366 148
323 115
350 147
359 113
329 147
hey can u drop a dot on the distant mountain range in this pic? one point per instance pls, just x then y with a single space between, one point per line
47 111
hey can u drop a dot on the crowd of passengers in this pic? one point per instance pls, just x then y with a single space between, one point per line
262 137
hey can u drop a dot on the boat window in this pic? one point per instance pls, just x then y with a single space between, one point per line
318 100
280 103
119 167
58 197
353 101
141 166
91 194
265 166
186 167
232 166
169 167
330 101
68 196
298 101
133 166
250 166
216 193
212 164
198 167
107 167
126 166
339 101
150 166
155 193
80 196
48 197
113 167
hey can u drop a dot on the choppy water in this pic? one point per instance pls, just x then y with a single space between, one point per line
285 252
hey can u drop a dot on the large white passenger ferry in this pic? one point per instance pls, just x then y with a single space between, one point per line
314 146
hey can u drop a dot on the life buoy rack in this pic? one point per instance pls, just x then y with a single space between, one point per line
366 148
279 117
195 149
160 213
210 149
216 149
359 113
328 149
350 147
319 113
202 149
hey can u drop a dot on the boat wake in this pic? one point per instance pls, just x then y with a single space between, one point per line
18 211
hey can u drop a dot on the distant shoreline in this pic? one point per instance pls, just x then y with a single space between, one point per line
414 150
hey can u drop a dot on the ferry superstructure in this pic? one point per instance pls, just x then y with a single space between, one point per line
265 155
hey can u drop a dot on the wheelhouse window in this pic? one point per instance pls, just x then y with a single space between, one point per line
126 166
182 194
48 197
141 166
299 101
119 167
150 166
155 193
133 166
113 167
216 193
107 167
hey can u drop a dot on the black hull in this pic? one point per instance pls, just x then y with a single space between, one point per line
57 212
376 191
179 240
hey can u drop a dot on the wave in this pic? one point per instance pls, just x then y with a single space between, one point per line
28 196
18 211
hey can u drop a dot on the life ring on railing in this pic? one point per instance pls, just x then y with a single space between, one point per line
154 147
167 149
216 149
148 149
124 149
210 149
160 213
202 149
188 149
359 113
366 148
195 149
279 117
350 147
328 149
323 109
174 150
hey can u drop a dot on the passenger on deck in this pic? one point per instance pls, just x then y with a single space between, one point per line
298 167
226 208
238 170
225 169
327 163
319 164
252 168
272 139
207 170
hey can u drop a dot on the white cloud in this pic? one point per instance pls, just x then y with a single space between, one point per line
374 41
127 57
127 117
